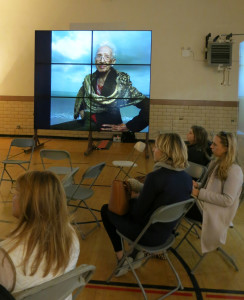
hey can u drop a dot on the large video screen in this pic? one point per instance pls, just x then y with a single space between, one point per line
92 80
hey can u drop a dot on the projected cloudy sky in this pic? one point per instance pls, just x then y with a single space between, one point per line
73 54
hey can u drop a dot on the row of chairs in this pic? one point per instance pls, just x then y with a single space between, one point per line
76 193
75 280
61 287
28 145
163 214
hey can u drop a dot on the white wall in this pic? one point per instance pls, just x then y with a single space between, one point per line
174 24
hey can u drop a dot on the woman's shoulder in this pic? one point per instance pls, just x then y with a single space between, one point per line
235 168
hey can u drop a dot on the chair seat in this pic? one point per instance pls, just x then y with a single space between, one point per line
14 162
124 163
81 194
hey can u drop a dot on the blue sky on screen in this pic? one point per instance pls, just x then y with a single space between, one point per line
71 48
241 71
132 47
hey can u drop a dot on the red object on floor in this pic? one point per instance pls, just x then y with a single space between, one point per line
103 144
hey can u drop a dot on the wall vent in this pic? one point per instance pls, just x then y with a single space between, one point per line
219 53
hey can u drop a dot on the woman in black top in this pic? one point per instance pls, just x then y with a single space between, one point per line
168 183
198 146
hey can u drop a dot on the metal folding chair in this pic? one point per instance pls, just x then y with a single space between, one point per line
48 155
196 224
196 171
60 287
81 192
125 166
24 163
164 214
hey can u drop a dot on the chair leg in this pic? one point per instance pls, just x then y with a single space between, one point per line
84 235
115 269
229 258
123 171
137 279
179 283
80 231
195 231
184 237
198 263
5 170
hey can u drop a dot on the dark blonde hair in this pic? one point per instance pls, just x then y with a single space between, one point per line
201 139
228 140
43 223
173 148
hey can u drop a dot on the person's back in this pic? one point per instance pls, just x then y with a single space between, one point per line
164 185
43 245
26 280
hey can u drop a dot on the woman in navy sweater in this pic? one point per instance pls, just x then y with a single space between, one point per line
168 183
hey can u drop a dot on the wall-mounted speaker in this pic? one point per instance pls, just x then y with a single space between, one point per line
219 53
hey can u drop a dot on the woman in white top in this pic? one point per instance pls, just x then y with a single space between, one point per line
219 192
43 245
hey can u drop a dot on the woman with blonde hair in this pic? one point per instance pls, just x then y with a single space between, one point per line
219 192
167 184
43 244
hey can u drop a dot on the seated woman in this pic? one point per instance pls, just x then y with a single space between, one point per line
198 146
43 244
167 184
219 192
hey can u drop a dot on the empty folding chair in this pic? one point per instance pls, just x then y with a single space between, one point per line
26 156
60 287
197 225
163 214
80 192
125 166
48 155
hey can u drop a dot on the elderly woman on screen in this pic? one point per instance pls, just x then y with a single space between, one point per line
219 192
168 183
43 244
105 91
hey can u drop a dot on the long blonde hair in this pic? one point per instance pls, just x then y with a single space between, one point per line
228 140
173 148
43 223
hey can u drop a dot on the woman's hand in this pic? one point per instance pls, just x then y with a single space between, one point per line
112 127
195 184
134 194
195 190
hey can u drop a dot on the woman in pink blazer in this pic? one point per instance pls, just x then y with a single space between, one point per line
219 192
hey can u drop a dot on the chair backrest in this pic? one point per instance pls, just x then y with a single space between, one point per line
196 171
56 155
69 178
7 271
167 213
60 287
172 212
140 146
53 154
93 171
23 142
